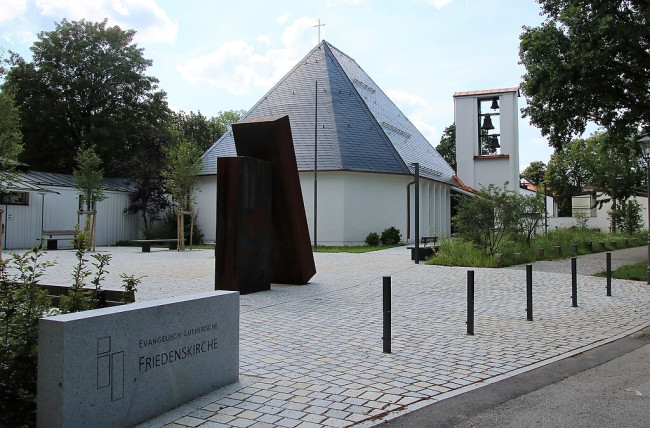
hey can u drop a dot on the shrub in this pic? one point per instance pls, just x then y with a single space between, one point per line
22 303
626 217
390 236
167 226
372 239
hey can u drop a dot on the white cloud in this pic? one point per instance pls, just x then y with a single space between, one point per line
334 3
237 66
283 18
10 9
438 4
145 16
264 39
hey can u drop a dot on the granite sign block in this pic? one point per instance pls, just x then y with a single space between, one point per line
119 366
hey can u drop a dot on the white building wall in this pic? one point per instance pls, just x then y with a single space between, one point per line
206 206
374 202
474 170
600 220
465 119
24 223
352 204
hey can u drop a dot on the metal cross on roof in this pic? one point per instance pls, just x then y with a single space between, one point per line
319 25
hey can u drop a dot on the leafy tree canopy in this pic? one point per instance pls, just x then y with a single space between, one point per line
534 172
610 164
183 164
88 177
200 130
10 136
588 63
447 146
86 85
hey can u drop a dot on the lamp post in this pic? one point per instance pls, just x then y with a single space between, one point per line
644 145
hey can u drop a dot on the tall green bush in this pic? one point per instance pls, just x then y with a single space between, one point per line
390 236
626 217
22 303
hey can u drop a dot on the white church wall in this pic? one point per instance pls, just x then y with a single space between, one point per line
465 114
331 202
206 207
475 169
351 205
374 202
491 171
435 210
509 139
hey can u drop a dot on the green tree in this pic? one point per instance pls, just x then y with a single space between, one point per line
10 138
149 197
588 62
183 164
567 173
447 146
200 130
529 215
535 172
86 84
88 178
610 164
486 219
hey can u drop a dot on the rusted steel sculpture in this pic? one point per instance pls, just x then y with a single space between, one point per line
291 260
243 243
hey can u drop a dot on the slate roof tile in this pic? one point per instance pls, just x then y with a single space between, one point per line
359 127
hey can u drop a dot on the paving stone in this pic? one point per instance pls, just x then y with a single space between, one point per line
189 421
319 346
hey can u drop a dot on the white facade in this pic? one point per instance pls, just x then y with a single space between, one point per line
477 169
23 224
351 205
597 218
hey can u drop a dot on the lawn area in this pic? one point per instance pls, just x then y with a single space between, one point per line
350 248
634 272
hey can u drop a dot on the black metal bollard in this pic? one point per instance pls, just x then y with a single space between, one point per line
574 282
387 334
529 292
608 258
470 302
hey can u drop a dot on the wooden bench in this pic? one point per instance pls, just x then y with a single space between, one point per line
107 298
426 239
54 236
423 252
146 243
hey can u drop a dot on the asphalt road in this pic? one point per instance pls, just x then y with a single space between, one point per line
608 386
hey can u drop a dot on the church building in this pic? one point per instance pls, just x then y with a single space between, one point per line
355 150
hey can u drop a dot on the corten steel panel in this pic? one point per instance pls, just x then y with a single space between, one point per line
243 243
269 138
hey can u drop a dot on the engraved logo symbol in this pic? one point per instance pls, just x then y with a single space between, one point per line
110 368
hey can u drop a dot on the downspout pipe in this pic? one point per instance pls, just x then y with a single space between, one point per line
408 210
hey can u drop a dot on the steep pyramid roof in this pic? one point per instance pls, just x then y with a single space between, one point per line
359 127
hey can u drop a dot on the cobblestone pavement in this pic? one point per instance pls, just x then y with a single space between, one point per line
312 355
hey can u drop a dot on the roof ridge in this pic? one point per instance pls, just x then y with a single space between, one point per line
369 113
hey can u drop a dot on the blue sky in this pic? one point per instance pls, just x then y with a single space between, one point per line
220 55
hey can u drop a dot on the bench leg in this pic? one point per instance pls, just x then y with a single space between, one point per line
146 247
52 244
173 245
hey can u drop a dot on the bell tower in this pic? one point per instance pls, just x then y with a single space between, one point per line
487 137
